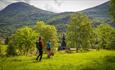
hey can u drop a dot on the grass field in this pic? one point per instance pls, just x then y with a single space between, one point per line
93 60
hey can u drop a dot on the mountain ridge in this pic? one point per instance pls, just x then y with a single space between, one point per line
21 14
102 10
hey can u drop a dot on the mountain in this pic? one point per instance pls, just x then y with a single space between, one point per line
60 19
21 11
99 14
21 14
100 11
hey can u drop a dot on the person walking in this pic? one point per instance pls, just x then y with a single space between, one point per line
49 48
39 45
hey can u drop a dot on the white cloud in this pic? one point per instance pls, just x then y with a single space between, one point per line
65 5
57 5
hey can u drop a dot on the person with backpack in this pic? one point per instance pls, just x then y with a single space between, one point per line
39 45
49 49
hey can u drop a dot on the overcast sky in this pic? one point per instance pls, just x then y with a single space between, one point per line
57 5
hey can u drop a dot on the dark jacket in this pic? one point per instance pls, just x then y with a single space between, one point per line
39 45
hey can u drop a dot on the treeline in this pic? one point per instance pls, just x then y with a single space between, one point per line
80 34
24 39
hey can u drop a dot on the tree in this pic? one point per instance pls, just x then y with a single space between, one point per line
11 50
78 31
25 39
113 39
104 35
48 32
63 43
112 9
94 39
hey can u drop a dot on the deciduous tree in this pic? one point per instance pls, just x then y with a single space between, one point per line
78 31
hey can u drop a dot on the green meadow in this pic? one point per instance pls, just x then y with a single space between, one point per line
92 60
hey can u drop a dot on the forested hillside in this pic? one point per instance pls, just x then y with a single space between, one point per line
21 14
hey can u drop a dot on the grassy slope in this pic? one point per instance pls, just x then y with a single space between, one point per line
94 60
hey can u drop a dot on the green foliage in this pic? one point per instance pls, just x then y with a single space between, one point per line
24 39
61 27
79 30
104 35
11 49
94 39
112 9
0 46
1 43
113 39
48 32
3 49
0 49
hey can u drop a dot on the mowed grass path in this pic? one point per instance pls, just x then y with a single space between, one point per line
93 60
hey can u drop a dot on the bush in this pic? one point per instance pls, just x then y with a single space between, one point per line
24 40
